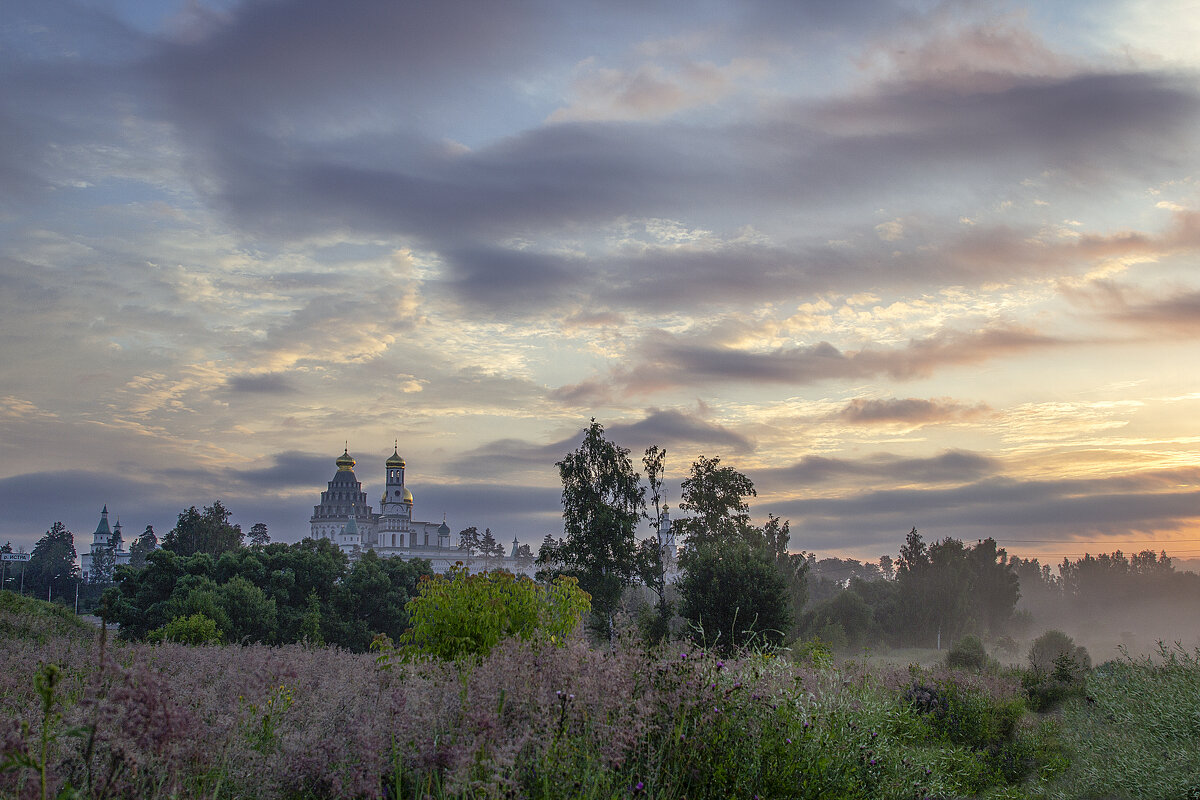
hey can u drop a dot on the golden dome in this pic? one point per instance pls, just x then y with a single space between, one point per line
407 496
395 460
345 462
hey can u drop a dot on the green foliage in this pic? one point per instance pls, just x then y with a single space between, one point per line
276 593
1057 670
464 615
967 653
951 589
968 717
208 531
142 546
1137 731
1055 652
51 567
36 620
735 596
602 502
813 651
844 619
195 629
715 497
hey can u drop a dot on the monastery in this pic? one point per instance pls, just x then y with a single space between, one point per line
345 517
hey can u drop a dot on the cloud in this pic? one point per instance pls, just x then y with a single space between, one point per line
910 410
651 91
270 383
669 428
1055 510
950 466
674 428
669 361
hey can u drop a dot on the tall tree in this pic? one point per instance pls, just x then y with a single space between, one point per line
103 562
653 555
259 537
203 532
51 567
142 546
490 549
468 543
715 498
602 500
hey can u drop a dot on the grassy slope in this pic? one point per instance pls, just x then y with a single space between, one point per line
29 618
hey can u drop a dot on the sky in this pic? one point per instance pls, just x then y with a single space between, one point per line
904 264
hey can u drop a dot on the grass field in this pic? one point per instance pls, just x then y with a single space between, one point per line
558 722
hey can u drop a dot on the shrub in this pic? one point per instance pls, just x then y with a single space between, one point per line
466 615
734 596
967 653
1054 651
1057 668
194 629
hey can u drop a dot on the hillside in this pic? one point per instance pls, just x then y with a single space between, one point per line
29 618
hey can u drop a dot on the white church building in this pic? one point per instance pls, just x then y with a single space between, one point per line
344 517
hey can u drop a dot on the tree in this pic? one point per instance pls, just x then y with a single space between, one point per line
141 547
524 555
468 542
715 496
653 557
602 500
259 537
103 562
490 549
203 532
51 566
774 538
735 596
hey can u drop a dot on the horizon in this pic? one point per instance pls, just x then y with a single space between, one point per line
901 263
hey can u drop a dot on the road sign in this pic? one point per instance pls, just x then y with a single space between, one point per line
14 556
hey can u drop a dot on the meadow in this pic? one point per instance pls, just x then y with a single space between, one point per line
84 716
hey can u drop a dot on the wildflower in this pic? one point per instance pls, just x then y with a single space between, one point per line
720 665
789 741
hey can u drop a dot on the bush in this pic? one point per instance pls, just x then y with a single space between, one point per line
1057 668
735 597
967 653
466 615
194 629
1054 651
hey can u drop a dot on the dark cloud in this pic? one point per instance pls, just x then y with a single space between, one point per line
669 428
264 58
1177 314
239 102
951 466
909 410
271 383
673 428
669 361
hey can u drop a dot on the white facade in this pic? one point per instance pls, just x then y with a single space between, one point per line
344 517
104 538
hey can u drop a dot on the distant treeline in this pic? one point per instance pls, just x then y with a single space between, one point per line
275 593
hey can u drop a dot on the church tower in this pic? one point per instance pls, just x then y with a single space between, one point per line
342 500
396 506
